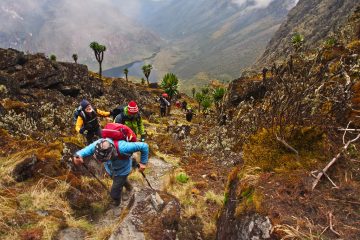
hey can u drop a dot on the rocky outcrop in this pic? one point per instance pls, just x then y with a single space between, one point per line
316 20
20 71
244 89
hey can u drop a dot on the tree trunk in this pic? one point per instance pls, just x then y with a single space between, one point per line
126 77
147 79
100 70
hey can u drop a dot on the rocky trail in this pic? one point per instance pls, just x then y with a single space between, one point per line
143 213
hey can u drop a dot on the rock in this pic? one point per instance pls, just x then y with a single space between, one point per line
156 201
25 169
171 215
243 89
179 131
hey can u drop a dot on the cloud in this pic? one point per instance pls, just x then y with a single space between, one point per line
252 4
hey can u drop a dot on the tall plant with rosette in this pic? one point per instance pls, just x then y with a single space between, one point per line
170 84
99 54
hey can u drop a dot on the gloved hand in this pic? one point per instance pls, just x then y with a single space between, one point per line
83 131
143 138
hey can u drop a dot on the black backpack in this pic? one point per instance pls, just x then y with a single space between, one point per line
78 111
116 111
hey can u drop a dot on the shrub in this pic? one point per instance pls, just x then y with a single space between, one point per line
182 178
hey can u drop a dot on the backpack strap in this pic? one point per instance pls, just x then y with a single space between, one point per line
121 156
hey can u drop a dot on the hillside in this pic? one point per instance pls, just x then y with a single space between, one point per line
63 28
215 38
316 20
277 158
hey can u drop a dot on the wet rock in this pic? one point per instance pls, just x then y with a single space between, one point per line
179 132
25 169
70 234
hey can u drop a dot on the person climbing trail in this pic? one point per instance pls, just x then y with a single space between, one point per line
189 114
87 122
184 106
116 157
130 116
164 103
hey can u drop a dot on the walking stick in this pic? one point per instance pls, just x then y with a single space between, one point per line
102 184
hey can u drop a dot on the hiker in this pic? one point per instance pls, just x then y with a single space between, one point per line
87 122
184 105
164 103
130 116
189 114
116 156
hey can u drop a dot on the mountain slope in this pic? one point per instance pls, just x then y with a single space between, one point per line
64 27
316 20
217 37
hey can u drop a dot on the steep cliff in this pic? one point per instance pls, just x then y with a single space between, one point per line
288 123
315 20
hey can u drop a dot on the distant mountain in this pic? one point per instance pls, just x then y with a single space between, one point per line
216 37
65 27
315 19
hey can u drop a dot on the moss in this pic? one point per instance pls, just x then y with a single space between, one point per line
249 200
266 152
354 45
52 151
13 104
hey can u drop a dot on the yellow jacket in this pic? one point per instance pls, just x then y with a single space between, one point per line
80 121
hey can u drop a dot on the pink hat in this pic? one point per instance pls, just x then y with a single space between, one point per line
132 107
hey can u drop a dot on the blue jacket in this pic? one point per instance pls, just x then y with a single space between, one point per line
119 167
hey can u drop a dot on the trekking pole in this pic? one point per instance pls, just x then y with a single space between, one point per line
143 174
102 184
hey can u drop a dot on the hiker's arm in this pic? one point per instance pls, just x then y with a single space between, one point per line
131 147
88 150
141 126
102 113
79 124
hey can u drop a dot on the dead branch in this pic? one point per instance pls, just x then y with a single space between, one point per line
331 226
286 144
321 173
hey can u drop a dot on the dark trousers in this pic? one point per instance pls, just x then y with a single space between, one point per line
162 111
92 136
118 183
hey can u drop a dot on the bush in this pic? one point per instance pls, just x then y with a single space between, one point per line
182 178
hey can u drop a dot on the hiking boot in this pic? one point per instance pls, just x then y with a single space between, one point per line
125 196
115 203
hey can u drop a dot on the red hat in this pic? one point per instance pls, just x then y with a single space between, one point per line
165 95
132 107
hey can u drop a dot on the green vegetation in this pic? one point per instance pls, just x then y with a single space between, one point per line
75 57
142 81
53 57
331 42
170 84
147 70
218 95
126 72
99 54
297 40
182 178
262 151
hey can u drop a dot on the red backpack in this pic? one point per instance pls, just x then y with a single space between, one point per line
117 132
